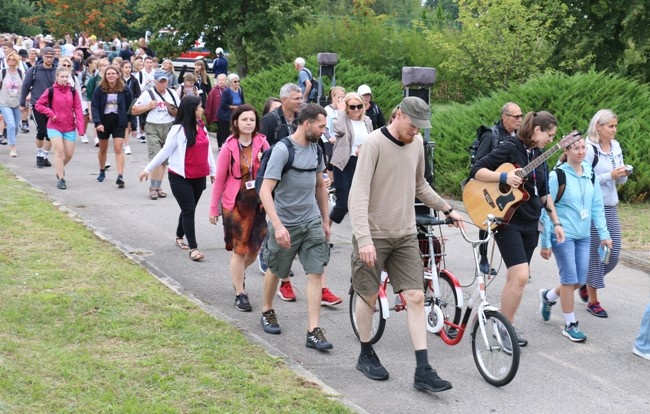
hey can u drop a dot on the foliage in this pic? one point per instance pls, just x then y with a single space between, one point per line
387 92
12 13
61 17
252 30
572 99
501 42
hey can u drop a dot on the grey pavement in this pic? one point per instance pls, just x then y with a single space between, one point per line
555 375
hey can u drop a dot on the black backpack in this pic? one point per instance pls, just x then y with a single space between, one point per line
50 95
477 142
266 155
561 176
313 93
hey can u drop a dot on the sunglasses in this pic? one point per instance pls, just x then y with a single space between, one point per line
66 66
355 107
235 81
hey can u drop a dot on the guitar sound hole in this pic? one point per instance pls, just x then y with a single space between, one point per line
504 188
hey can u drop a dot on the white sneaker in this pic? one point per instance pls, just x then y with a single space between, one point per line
127 150
84 139
107 165
96 142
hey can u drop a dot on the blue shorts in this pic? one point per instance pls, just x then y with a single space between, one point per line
572 258
68 136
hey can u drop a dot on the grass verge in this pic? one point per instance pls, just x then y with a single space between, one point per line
84 329
635 225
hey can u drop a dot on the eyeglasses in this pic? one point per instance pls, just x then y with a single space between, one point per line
515 116
355 107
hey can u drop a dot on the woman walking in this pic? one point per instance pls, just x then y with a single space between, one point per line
11 83
62 106
578 202
188 149
110 104
231 98
132 83
244 221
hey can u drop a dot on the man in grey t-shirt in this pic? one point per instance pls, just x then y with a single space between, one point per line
298 222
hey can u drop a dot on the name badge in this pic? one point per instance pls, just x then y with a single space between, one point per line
584 214
250 185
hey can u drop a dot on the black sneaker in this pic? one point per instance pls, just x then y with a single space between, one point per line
427 379
46 162
142 139
61 184
120 181
316 339
242 304
39 161
270 322
371 367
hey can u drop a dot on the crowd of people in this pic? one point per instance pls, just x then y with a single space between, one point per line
68 85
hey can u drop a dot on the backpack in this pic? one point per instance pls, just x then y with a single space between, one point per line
313 93
50 95
143 116
477 142
279 125
266 155
4 74
561 182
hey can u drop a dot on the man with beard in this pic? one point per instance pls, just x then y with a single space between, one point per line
389 176
298 220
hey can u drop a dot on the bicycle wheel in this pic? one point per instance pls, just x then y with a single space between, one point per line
448 300
498 359
378 321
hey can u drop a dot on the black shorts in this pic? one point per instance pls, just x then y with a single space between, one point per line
111 127
517 241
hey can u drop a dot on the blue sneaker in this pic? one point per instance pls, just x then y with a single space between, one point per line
545 305
270 322
260 261
574 333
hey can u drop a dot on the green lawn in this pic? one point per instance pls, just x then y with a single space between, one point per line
84 329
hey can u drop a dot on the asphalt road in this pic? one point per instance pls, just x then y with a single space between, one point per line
555 375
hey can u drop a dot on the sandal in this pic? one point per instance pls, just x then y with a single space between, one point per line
161 193
153 194
196 255
181 243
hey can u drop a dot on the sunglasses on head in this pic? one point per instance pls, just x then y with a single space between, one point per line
353 107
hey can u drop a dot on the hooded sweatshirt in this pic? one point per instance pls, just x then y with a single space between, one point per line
36 81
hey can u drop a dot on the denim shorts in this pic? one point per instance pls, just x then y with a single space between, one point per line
68 136
572 258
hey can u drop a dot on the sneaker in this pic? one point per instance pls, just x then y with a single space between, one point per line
596 310
545 305
39 161
61 184
329 299
3 140
46 162
242 304
101 176
84 139
636 351
574 333
503 338
316 339
484 267
427 379
107 165
127 150
96 142
270 322
286 292
584 294
142 139
13 153
24 128
520 338
371 367
261 263
120 181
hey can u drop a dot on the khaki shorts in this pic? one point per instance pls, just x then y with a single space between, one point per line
307 241
156 136
401 259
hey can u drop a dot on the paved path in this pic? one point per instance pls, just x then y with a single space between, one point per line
555 375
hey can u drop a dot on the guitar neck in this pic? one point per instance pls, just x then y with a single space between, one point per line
538 161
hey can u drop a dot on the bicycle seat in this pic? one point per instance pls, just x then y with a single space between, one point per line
428 220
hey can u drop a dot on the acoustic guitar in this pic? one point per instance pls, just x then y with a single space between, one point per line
502 200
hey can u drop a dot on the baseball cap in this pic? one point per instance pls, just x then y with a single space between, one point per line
48 51
160 75
417 110
364 90
219 50
23 53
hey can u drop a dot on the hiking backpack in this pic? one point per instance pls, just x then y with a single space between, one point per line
477 142
266 155
313 93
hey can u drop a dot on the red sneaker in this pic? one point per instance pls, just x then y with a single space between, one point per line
329 299
286 292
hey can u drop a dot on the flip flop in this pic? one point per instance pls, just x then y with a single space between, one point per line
181 244
196 255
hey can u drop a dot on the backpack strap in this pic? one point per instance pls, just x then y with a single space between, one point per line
278 123
561 182
172 95
50 95
595 160
292 153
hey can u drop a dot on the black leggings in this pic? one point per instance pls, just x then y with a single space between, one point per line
223 131
41 124
187 192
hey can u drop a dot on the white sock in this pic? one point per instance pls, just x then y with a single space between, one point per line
569 318
45 153
551 296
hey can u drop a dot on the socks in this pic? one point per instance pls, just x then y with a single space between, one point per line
45 153
551 296
366 348
569 318
422 358
39 152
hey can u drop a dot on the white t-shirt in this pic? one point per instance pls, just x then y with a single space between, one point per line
331 116
147 79
158 115
360 135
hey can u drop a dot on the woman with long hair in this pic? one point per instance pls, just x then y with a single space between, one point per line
244 222
611 171
132 83
11 83
64 115
110 105
189 153
351 129
517 241
231 98
168 67
203 83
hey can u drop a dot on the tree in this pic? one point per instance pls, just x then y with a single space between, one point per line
61 17
12 12
251 30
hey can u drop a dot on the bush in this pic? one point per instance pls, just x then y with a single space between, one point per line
572 99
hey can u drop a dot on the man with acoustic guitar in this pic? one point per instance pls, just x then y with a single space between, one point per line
516 195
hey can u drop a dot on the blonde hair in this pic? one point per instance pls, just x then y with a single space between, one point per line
602 117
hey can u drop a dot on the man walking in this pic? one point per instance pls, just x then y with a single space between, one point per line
393 158
298 223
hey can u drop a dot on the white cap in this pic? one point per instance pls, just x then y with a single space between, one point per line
364 89
219 50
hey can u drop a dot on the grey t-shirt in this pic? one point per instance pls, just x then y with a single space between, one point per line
295 193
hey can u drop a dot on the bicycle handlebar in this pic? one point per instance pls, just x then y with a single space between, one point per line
490 221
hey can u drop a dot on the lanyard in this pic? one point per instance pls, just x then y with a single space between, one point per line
243 157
